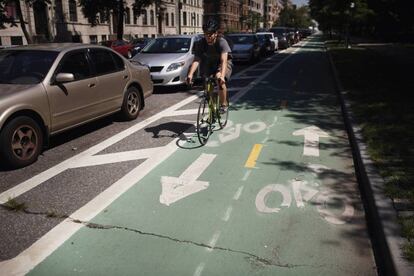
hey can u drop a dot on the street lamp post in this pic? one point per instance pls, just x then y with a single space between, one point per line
348 39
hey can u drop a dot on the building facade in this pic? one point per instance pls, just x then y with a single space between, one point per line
63 21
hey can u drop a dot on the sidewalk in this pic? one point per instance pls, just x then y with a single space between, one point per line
384 213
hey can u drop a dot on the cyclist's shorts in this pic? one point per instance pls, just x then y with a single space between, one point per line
212 70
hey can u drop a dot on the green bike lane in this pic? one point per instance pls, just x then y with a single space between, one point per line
274 193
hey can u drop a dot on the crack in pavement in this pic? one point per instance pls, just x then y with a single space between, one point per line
248 255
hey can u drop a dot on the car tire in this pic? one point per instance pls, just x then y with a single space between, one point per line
21 142
131 105
129 54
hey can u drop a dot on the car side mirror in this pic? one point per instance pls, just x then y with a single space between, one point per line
64 77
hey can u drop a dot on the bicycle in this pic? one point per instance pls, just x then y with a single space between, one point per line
209 111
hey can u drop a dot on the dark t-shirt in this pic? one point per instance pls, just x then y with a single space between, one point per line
209 55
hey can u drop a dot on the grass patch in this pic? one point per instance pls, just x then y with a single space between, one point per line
378 80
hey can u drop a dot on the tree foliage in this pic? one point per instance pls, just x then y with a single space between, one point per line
389 19
290 16
6 19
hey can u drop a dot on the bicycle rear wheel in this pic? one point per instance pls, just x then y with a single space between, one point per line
203 129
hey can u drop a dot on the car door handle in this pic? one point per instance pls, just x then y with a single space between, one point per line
125 77
91 85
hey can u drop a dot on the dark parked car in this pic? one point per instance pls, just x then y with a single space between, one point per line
282 34
121 46
47 89
138 44
245 47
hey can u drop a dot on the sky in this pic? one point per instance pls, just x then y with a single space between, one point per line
300 2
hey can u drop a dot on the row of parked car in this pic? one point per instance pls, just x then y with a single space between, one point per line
50 88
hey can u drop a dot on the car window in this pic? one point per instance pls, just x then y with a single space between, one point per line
77 64
25 66
120 65
243 39
119 43
168 45
104 61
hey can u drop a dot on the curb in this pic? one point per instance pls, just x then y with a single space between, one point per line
383 225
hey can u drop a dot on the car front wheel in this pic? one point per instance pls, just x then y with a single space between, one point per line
21 142
131 104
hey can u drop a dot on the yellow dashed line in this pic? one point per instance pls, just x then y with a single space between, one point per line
254 154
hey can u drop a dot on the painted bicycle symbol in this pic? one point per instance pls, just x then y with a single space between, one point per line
333 207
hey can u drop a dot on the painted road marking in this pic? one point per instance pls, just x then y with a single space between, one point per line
262 196
246 175
254 155
176 188
238 193
311 144
199 269
227 214
298 186
213 241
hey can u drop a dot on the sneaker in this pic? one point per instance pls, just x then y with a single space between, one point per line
223 109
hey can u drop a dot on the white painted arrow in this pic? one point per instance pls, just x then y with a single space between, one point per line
312 134
176 188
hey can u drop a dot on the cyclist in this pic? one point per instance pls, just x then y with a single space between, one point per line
213 56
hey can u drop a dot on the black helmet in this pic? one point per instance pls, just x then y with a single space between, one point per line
210 26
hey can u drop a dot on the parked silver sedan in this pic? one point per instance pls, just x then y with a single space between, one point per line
46 89
169 58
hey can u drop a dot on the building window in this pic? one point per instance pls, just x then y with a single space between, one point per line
172 19
134 13
127 15
166 19
16 40
145 35
152 21
198 20
184 18
144 17
93 39
103 37
73 14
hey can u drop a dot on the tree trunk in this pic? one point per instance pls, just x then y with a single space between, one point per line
22 22
120 27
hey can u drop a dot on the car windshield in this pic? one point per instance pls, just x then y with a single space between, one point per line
25 66
242 39
168 45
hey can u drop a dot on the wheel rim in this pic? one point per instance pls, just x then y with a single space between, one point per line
133 103
24 142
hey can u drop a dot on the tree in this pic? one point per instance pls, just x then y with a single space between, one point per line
10 20
92 9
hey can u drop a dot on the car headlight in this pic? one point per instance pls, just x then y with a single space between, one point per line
175 66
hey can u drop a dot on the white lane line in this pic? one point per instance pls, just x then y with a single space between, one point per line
116 157
183 112
265 140
213 241
227 214
238 193
43 247
199 269
246 175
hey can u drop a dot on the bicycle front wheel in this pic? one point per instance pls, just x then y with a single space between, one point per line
203 122
222 117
